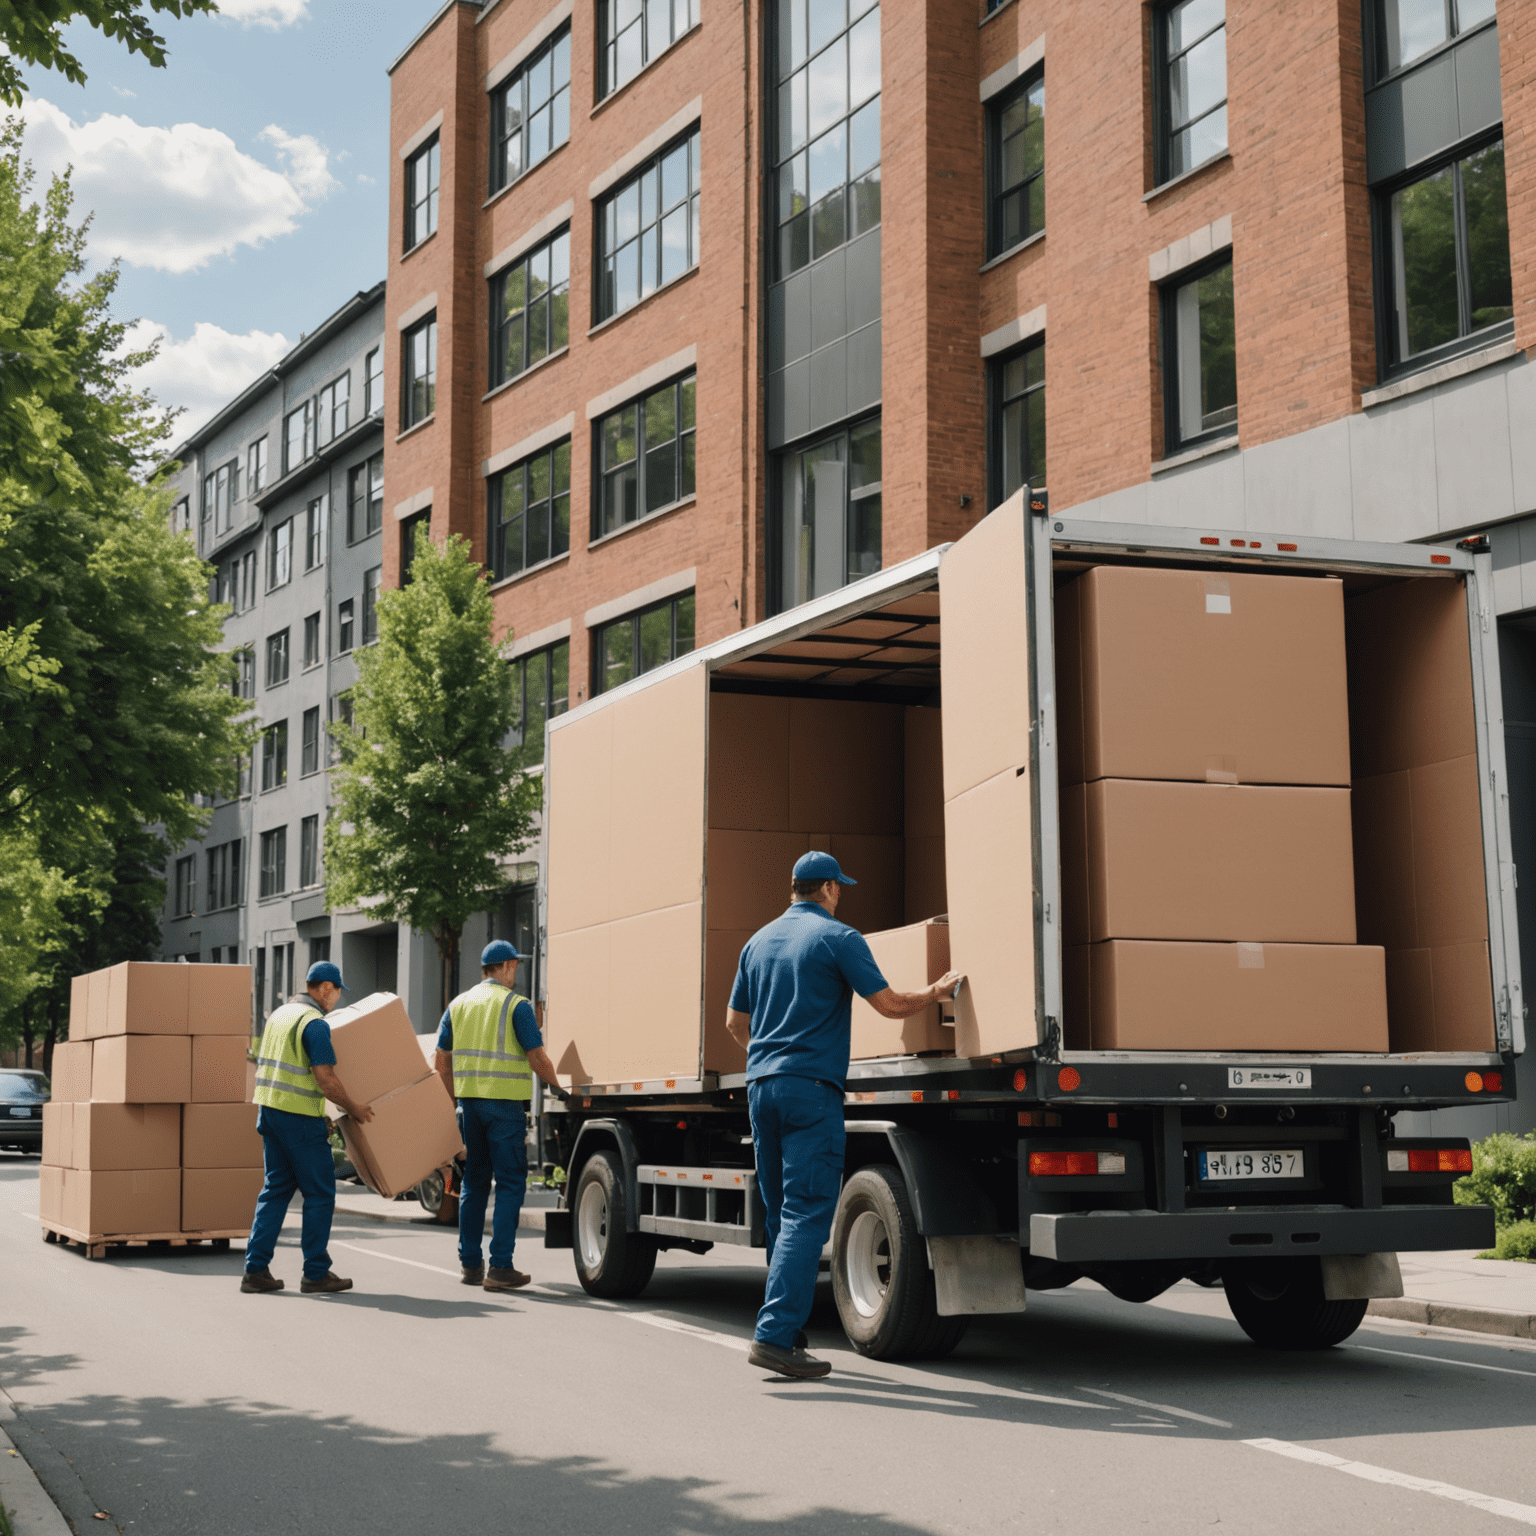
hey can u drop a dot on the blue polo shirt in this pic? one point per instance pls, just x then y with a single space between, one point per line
796 979
317 1044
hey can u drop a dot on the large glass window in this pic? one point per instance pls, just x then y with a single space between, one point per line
1019 394
641 641
422 171
309 750
373 386
298 436
256 466
529 509
531 112
1193 54
542 682
224 882
530 309
1408 29
828 134
186 886
645 453
1448 250
274 873
309 851
220 489
648 230
828 513
372 580
1200 345
346 625
317 516
311 641
274 756
280 555
1016 133
244 684
419 373
332 408
631 33
365 499
277 658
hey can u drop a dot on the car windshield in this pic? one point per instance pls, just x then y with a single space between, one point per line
23 1087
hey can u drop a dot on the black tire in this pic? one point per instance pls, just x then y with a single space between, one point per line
1279 1304
221 1245
432 1191
611 1261
880 1275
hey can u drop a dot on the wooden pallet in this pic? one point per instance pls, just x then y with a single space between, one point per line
98 1244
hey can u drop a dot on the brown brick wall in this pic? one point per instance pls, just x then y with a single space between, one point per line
1517 68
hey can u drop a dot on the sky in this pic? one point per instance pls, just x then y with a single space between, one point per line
243 188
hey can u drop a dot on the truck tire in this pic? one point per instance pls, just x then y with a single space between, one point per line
880 1275
610 1260
1279 1304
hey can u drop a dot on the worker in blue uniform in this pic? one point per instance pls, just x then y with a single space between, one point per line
791 1007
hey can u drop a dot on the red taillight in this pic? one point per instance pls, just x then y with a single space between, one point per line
1453 1160
1439 559
1076 1165
1423 1161
1474 1082
1493 1082
1290 547
1020 1080
1210 541
1068 1079
1433 1160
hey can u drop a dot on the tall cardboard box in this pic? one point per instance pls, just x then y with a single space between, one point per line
1167 674
114 1137
413 1131
219 1198
218 1069
147 999
910 959
70 1081
219 1000
130 1202
58 1134
376 1049
220 1136
141 1069
50 1194
88 1005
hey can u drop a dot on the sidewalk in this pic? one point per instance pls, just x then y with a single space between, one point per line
1460 1290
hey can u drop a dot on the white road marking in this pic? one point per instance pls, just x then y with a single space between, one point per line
1141 1402
1525 1514
1139 1424
708 1335
1470 1365
436 1269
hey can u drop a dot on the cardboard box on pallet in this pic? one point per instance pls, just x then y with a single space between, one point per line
219 1000
58 1133
910 959
70 1081
50 1194
215 1198
127 1202
413 1132
145 998
116 1137
219 1136
141 1069
218 1069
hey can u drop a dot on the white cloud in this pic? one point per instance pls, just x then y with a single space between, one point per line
125 93
206 371
174 198
265 13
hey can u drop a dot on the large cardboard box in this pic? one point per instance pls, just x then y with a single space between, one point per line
146 999
1142 859
70 1080
376 1049
219 1198
110 1137
910 959
88 1005
218 1068
219 1000
58 1134
220 1136
134 1202
50 1194
1128 995
413 1131
141 1069
1165 674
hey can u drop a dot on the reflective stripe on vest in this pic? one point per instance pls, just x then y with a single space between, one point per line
488 1062
283 1076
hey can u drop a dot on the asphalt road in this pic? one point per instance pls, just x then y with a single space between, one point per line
150 1389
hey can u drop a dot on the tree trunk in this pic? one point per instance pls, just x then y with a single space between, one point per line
448 967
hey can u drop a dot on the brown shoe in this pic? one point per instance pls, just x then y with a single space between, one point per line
257 1282
505 1279
327 1282
473 1275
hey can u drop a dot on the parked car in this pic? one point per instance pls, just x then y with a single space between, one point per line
22 1096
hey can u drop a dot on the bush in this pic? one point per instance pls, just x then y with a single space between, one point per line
1503 1176
1517 1241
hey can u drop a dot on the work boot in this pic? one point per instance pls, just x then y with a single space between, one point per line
330 1281
473 1274
505 1279
257 1282
786 1362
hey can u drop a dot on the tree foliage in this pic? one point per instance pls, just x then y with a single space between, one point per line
1503 1176
428 803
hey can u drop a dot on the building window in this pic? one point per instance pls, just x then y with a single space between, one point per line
648 230
1448 256
631 33
345 611
828 523
828 136
248 580
244 684
373 387
311 641
408 527
298 436
181 515
259 982
332 410
224 889
1408 29
219 492
309 850
274 756
529 511
371 582
1200 353
186 886
342 714
1016 141
309 748
421 178
256 466
1018 384
542 683
282 956
274 881
641 641
277 658
419 395
316 517
365 499
645 456
531 112
1192 58
319 949
530 309
280 555
243 769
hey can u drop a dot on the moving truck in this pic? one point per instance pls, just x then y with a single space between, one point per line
1216 826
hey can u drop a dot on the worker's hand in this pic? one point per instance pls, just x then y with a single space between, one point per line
362 1113
947 985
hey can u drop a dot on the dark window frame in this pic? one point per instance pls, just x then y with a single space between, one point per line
373 581
346 626
556 50
184 891
609 250
309 852
373 381
637 470
674 605
279 658
304 414
999 195
411 382
1379 66
309 742
280 555
274 756
1174 440
550 660
257 458
317 518
998 401
365 496
609 47
1162 63
225 876
314 653
541 323
502 527
429 157
273 877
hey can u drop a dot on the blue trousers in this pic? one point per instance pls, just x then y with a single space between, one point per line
296 1152
495 1133
797 1136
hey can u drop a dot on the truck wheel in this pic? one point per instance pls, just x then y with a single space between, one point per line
880 1275
610 1261
1279 1304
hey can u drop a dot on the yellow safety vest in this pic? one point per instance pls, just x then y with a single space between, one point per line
284 1079
488 1063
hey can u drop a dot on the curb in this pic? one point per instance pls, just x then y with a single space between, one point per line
25 1499
532 1217
1442 1314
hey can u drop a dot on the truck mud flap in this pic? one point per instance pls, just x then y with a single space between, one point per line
557 1229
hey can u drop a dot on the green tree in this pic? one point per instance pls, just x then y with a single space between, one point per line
33 31
428 803
31 894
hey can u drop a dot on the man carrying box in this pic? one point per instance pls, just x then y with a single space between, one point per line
489 1070
295 1075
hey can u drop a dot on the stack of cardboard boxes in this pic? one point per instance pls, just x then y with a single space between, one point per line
148 1132
1208 897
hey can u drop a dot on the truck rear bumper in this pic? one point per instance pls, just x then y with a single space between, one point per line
1084 1237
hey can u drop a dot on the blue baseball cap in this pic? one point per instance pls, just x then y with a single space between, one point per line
325 970
820 866
498 952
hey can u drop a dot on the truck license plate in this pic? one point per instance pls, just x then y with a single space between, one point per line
21 1113
1251 1165
1269 1077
